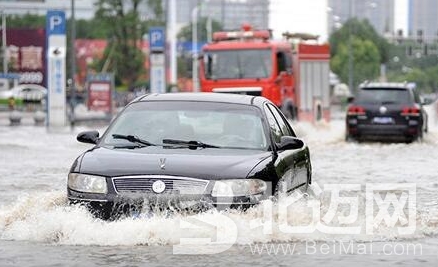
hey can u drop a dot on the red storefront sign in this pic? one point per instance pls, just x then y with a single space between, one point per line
25 53
99 96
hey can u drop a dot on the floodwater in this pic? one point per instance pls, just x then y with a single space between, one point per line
38 228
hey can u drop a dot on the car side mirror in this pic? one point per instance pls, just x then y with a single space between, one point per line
350 99
290 142
89 137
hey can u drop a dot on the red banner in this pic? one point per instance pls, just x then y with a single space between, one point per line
99 96
26 50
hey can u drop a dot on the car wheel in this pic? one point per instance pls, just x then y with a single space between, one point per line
419 137
350 138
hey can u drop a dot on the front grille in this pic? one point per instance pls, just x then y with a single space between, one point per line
174 184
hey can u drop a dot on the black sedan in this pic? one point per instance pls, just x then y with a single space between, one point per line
386 111
202 150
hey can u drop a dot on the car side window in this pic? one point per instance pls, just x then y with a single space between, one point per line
285 129
273 125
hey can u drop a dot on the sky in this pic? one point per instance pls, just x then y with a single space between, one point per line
310 16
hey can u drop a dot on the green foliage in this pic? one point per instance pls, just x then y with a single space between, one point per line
28 21
369 51
91 29
418 67
362 30
186 32
122 55
85 29
425 79
366 61
157 8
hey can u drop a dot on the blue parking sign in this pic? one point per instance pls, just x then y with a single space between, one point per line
55 22
157 40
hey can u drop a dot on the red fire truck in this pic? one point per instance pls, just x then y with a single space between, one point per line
293 76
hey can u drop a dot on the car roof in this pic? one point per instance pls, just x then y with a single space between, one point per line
206 97
387 85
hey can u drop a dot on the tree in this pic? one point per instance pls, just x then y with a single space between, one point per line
186 32
426 80
29 21
366 61
91 29
362 30
126 29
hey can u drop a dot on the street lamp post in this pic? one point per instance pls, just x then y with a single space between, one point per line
172 42
73 64
209 27
350 50
195 49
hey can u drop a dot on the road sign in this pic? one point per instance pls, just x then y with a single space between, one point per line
56 73
157 40
99 96
100 90
158 73
55 22
157 46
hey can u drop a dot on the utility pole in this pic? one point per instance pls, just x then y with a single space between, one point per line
209 27
350 49
172 41
195 49
73 64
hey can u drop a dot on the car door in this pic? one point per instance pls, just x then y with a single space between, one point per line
300 156
284 164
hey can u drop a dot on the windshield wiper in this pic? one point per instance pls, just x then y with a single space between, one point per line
133 139
190 144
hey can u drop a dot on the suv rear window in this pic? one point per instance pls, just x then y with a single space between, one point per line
384 96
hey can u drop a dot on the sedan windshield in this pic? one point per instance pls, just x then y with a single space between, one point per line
210 125
238 64
384 96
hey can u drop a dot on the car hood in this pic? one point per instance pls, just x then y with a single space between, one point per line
207 163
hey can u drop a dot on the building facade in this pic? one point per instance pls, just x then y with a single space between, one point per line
423 19
230 13
84 9
380 13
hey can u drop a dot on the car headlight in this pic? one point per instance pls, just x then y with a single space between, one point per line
87 183
238 187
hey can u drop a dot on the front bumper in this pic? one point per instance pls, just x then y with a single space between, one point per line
113 205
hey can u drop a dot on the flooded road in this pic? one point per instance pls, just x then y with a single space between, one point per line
38 228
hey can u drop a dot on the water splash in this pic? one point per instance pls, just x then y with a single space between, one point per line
46 217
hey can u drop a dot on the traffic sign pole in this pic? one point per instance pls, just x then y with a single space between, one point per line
157 46
56 73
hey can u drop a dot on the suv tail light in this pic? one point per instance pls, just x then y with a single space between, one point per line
356 110
410 111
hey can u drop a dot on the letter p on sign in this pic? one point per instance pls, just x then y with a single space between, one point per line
55 21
